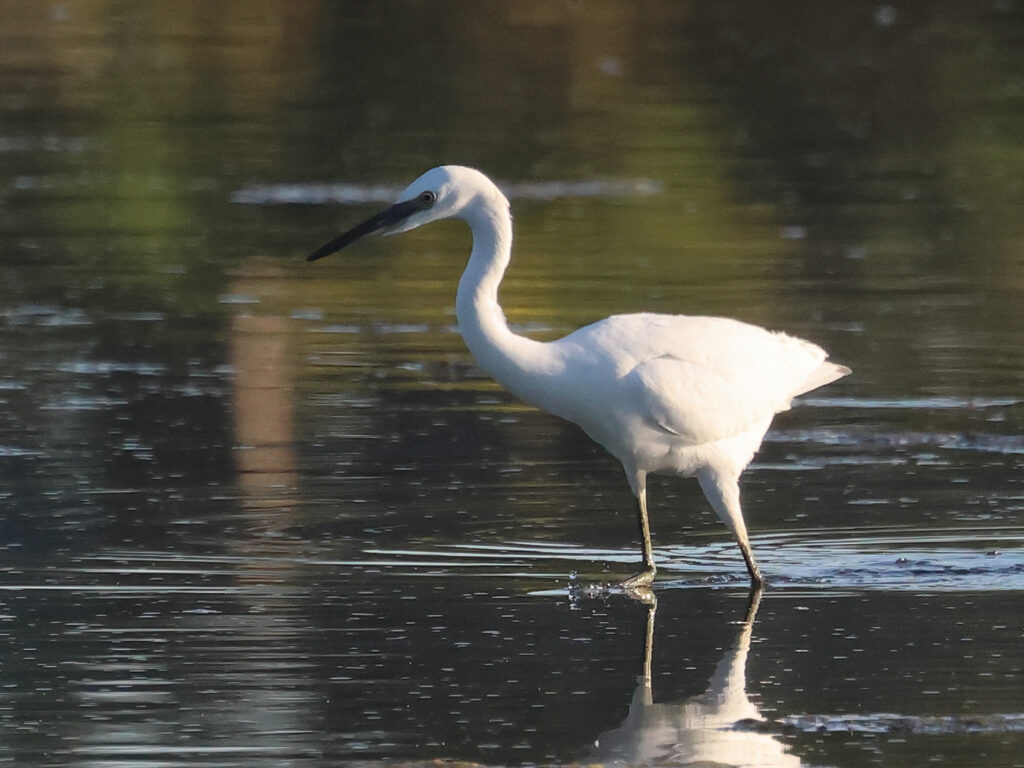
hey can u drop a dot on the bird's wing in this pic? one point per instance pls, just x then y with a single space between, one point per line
697 403
733 378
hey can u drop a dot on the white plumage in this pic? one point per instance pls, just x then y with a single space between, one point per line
671 394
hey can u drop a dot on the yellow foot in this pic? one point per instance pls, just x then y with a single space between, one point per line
641 580
756 579
643 595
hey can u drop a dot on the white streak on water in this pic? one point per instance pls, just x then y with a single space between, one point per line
345 193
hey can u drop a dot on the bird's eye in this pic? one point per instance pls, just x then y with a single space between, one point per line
428 197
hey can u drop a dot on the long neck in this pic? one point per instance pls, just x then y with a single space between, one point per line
516 362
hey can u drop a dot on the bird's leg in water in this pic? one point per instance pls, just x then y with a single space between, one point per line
756 579
646 576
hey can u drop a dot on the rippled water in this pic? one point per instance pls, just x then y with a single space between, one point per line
259 512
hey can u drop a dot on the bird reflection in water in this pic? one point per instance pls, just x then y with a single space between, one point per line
702 730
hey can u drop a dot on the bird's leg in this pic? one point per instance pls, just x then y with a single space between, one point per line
646 576
756 579
723 492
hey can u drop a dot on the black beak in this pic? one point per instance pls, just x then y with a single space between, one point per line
386 219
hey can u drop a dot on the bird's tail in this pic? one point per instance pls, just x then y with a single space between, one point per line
824 374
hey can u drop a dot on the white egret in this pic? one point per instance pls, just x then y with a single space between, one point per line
668 394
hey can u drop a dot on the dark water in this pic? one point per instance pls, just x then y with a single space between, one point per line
259 512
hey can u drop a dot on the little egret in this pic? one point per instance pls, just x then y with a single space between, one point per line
667 394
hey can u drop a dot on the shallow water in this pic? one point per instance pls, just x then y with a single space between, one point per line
259 512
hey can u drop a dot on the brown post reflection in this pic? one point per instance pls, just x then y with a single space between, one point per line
264 410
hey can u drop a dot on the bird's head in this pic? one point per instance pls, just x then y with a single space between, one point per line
440 193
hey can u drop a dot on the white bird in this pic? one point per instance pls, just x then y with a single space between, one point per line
668 394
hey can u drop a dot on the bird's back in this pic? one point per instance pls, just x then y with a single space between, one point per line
700 379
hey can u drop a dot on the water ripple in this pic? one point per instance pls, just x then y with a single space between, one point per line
912 403
887 723
961 559
958 441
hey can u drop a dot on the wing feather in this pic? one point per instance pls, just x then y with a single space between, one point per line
729 379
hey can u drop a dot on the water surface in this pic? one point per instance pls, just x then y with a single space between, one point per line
259 512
